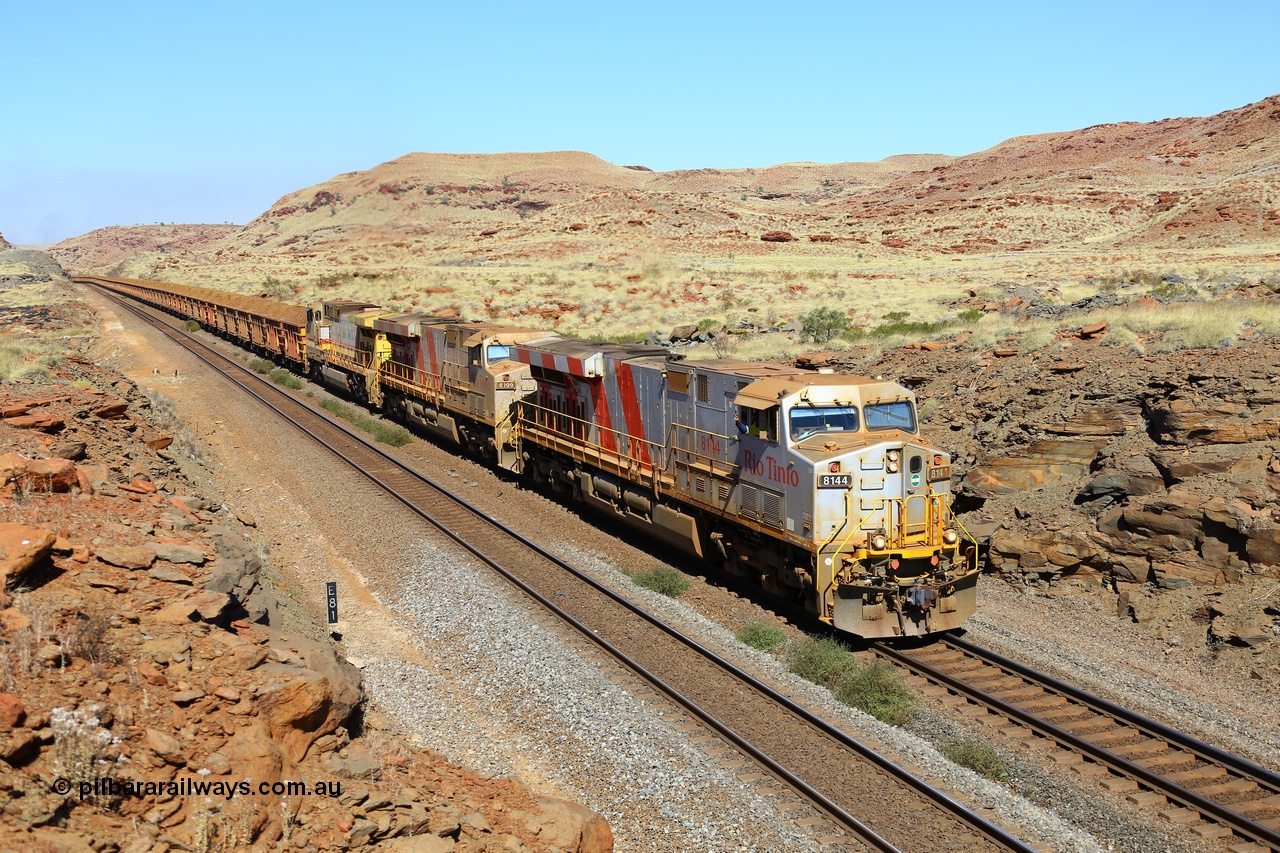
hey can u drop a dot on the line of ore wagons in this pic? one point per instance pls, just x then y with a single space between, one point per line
610 397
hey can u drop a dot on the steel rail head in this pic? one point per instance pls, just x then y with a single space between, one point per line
1208 752
1238 823
959 811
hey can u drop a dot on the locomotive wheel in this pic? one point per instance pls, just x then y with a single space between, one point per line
735 564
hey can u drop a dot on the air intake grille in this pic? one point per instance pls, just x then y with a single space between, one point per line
771 509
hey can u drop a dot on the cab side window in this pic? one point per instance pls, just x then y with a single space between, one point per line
759 423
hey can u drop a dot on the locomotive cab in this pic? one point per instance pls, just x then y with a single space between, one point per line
872 498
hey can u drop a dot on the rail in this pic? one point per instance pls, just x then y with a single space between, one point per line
1215 811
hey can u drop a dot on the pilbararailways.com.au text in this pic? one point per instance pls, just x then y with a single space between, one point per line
196 787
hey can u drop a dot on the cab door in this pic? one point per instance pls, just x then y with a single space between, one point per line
915 487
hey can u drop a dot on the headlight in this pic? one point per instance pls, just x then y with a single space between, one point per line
950 536
893 467
878 542
893 455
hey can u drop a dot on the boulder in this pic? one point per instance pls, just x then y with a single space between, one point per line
43 421
683 333
1191 421
127 556
1100 420
12 712
111 411
572 827
778 237
1185 570
256 755
48 475
1136 604
175 553
1176 467
21 548
1118 485
1244 629
12 466
73 450
1043 463
1263 545
1095 330
1176 513
299 711
345 680
166 747
168 575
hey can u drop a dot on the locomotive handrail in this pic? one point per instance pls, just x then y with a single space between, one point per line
394 371
673 448
631 440
352 354
875 507
932 517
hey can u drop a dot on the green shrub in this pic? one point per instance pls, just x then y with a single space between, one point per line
663 579
823 324
389 434
880 689
903 327
972 315
191 325
395 436
261 365
279 288
342 410
284 378
757 635
823 661
1172 290
978 756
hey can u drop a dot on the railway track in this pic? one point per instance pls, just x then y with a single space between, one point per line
1214 794
833 773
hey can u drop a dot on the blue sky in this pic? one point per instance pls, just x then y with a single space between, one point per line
132 112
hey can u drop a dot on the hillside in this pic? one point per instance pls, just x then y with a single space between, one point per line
567 239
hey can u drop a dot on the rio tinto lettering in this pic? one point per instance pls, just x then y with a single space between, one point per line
769 468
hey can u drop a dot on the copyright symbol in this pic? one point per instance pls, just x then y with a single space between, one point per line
62 786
